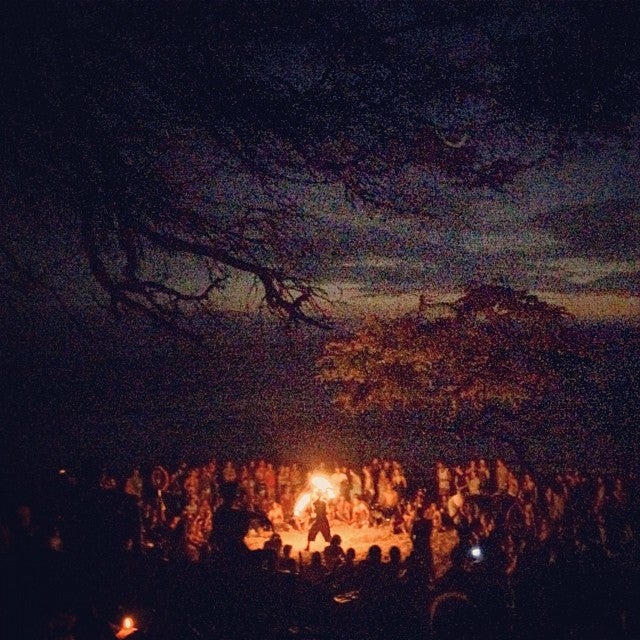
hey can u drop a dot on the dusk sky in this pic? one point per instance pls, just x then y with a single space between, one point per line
546 93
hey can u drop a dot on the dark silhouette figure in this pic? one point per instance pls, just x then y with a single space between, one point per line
230 526
320 524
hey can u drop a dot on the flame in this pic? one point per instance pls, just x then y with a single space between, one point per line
323 484
318 483
302 503
126 628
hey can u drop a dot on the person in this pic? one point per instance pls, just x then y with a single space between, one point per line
502 477
134 485
421 539
443 480
276 516
474 482
355 482
315 572
399 480
286 562
346 575
460 481
454 506
320 524
367 484
230 525
395 568
360 515
229 472
333 553
484 473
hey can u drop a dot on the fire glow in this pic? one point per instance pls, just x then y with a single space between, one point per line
127 628
320 484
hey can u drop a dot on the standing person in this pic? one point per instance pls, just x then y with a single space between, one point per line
367 484
460 482
376 469
443 479
355 482
474 482
283 480
420 561
399 480
296 478
270 481
321 523
484 473
134 486
230 526
502 477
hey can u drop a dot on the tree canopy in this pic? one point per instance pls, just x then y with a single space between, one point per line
492 349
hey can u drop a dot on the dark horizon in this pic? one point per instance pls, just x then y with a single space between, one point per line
249 393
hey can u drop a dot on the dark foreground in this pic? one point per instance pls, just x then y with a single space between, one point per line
580 594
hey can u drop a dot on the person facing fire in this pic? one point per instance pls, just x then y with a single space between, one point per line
320 523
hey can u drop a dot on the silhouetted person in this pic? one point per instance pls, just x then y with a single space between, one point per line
421 538
320 523
334 554
230 525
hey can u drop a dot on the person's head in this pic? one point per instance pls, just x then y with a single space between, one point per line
336 540
459 556
229 492
275 542
394 555
374 555
453 616
286 550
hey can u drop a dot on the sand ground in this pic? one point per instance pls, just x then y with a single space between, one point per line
361 539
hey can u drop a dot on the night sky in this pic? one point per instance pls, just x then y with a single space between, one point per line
375 150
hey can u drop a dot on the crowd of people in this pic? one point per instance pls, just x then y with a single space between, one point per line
529 556
177 507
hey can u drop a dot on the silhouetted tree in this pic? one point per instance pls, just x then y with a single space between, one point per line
172 148
478 363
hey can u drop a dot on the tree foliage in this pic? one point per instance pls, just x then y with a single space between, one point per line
494 348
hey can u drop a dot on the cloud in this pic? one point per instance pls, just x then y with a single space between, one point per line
590 271
607 230
522 241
